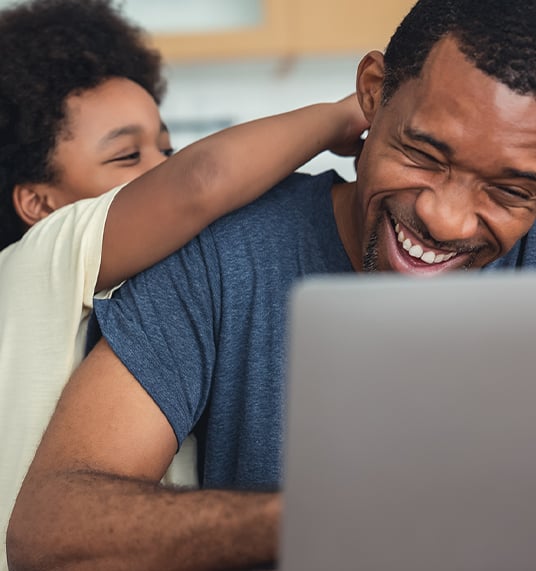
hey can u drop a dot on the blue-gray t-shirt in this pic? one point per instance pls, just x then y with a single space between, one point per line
521 256
204 331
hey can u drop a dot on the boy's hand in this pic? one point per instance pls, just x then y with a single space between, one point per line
350 143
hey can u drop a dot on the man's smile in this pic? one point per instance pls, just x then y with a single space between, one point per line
412 245
407 252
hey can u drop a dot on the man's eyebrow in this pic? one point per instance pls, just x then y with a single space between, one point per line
442 147
514 173
417 135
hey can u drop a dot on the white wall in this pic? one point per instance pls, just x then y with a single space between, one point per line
206 97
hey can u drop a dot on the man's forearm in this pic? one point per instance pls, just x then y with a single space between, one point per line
87 520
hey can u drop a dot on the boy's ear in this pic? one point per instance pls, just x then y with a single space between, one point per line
370 75
31 202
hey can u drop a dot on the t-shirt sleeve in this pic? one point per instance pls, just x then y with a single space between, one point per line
66 248
163 325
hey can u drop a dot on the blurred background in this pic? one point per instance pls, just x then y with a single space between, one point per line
230 61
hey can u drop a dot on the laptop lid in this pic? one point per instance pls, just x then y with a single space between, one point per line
411 436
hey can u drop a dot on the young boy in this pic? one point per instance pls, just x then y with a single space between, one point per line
78 116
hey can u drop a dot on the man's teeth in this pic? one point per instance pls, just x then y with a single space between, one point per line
416 251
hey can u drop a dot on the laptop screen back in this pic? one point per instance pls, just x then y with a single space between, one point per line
411 437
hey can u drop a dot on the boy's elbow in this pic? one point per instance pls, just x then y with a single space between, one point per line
208 182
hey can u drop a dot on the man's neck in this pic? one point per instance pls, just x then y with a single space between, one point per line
344 197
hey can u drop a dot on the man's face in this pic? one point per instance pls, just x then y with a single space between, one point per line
447 177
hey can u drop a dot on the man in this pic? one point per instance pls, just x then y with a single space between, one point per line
446 181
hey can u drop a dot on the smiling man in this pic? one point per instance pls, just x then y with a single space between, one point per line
446 181
447 178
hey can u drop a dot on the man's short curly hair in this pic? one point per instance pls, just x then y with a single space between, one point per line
497 36
51 49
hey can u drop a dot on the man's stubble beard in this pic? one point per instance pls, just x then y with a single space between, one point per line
370 260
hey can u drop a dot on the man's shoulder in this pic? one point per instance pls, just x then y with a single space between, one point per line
300 182
298 187
295 198
300 204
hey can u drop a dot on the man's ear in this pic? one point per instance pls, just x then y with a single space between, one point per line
32 202
370 75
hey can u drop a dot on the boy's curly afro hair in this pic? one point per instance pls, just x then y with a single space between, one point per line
51 49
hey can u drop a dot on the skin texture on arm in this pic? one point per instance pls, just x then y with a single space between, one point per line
163 209
92 498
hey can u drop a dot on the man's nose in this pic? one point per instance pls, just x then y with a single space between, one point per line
449 210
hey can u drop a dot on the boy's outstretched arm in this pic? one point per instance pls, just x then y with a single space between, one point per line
166 207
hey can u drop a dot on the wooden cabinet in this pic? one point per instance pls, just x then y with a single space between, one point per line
291 28
268 38
344 25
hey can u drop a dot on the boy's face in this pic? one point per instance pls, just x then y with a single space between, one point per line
112 135
447 176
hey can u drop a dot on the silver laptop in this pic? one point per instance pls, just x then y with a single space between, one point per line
411 442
